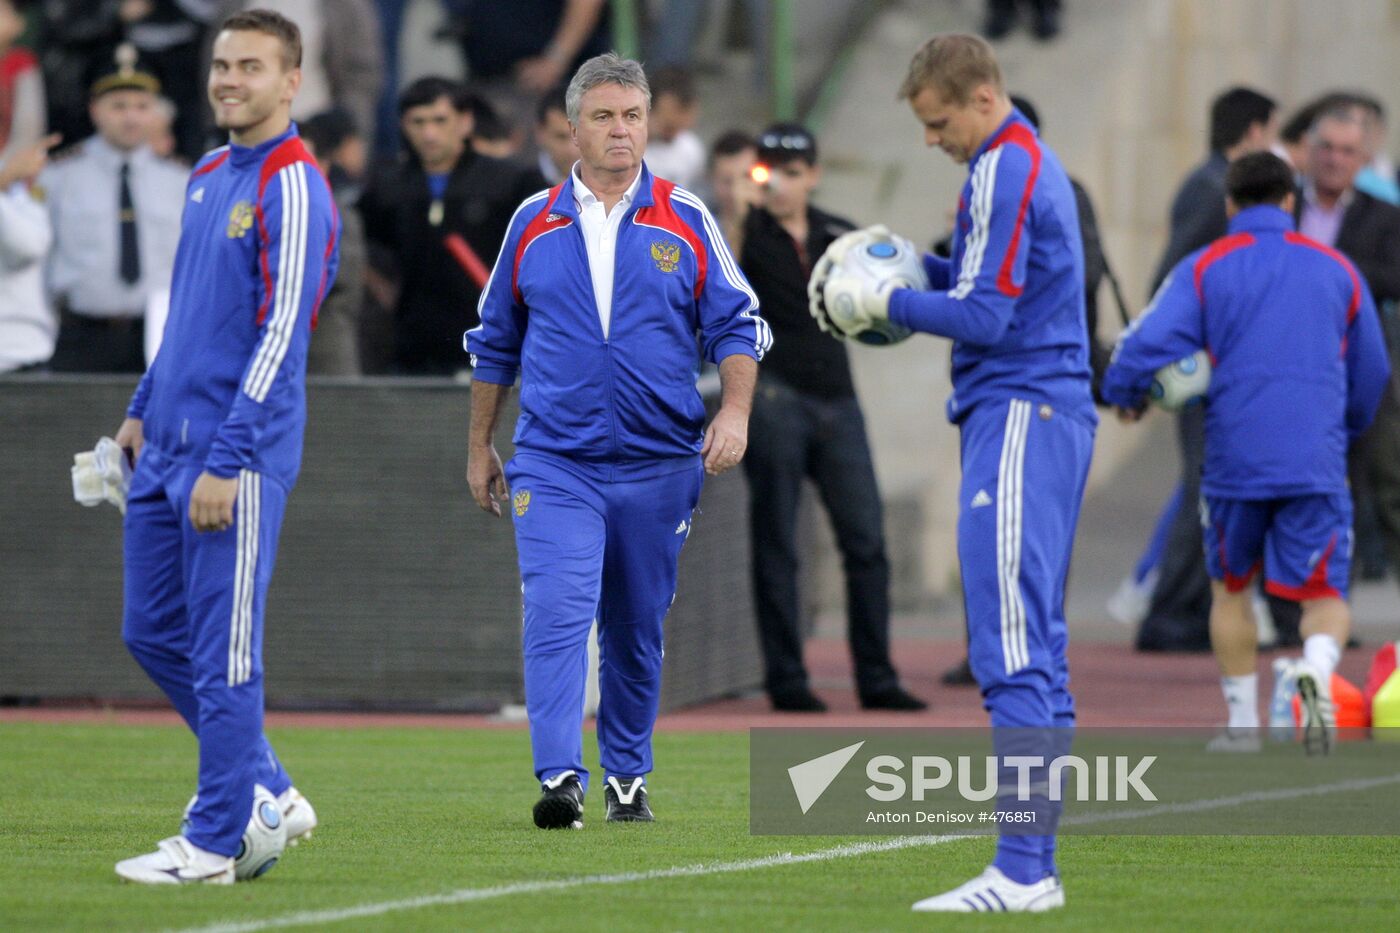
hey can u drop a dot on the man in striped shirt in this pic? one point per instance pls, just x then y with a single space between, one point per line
215 431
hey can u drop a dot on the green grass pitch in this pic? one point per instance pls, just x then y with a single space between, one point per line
418 812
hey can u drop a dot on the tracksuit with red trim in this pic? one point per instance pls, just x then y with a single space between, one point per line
606 471
1012 299
226 394
1299 365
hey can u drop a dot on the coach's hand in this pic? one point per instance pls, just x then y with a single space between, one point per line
726 439
211 502
486 478
131 438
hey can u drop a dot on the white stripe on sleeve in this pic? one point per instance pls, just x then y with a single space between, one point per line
719 247
983 185
291 272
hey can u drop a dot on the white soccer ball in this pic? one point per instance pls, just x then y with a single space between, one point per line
1182 383
263 840
881 259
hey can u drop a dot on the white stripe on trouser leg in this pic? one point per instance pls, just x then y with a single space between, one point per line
250 594
240 555
240 638
1015 653
1018 525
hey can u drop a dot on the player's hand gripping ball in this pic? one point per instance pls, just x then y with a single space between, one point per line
1182 383
849 291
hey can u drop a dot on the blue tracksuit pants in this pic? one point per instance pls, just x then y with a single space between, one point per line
1024 466
595 549
192 618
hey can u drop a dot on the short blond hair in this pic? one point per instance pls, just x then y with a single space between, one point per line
954 64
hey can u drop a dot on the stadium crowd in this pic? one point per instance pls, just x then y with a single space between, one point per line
102 111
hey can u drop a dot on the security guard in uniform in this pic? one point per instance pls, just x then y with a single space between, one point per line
115 208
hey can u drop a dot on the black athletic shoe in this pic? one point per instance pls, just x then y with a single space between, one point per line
561 803
999 22
895 698
959 675
1047 25
796 700
627 800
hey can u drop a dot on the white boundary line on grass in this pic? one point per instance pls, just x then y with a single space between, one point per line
466 895
851 850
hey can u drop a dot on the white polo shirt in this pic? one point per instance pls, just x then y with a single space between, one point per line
600 239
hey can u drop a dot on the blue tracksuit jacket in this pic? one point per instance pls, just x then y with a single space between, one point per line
1012 295
1299 363
256 256
626 403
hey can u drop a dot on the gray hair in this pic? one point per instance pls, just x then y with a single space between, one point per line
1345 113
608 68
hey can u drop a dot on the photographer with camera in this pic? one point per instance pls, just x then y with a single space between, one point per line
807 424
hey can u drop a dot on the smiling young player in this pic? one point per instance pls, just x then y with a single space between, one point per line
215 428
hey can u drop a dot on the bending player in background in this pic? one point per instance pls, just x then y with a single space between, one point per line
1299 368
215 429
1012 299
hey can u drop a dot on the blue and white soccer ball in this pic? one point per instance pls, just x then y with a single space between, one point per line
264 839
883 259
1183 383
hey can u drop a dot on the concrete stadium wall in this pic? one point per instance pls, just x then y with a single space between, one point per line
392 589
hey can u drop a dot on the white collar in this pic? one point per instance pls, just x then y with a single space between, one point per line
584 196
98 147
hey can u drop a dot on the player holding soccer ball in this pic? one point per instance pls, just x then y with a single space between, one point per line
1012 300
215 429
1299 368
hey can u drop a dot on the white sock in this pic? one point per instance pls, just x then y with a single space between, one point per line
1322 652
1242 700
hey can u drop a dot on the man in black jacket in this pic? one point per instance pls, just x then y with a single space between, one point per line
807 424
435 222
1367 231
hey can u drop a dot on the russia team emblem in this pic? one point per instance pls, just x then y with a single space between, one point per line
522 502
240 220
666 255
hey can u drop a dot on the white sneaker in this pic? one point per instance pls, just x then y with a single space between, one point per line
298 813
177 861
993 892
1237 741
1319 715
1129 603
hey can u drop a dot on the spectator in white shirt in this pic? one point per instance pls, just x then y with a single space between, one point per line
674 152
28 326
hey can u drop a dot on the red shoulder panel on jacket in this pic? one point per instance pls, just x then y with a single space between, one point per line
542 223
661 213
1018 134
1299 240
1217 251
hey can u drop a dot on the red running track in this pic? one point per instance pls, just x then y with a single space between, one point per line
1113 686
